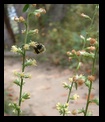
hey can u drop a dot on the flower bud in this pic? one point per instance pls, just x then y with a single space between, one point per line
75 97
85 16
78 53
73 51
82 37
26 46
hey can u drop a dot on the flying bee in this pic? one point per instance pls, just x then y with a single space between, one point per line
38 48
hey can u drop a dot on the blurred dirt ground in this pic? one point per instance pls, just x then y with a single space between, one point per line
45 88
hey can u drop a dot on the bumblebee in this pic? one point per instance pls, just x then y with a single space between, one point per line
38 48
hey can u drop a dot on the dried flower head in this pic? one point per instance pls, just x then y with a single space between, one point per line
91 48
91 77
68 53
42 10
16 19
21 19
75 78
78 53
74 112
73 51
37 14
80 82
92 41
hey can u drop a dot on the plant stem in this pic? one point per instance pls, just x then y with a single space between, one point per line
94 59
68 98
23 68
69 93
21 83
87 104
89 91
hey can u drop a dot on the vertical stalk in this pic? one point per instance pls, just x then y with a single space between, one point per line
23 68
94 59
69 93
68 98
89 90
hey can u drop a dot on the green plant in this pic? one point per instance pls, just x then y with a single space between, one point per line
37 47
89 50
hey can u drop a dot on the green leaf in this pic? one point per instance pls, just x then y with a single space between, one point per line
75 85
25 96
87 83
17 82
81 111
26 7
95 101
25 24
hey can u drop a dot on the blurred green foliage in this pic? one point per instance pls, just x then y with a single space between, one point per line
64 36
7 100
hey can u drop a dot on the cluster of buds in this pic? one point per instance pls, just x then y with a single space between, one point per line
65 85
26 46
25 96
35 31
63 108
74 97
20 19
92 41
15 107
40 11
91 78
75 54
32 43
91 48
16 49
79 79
30 62
22 74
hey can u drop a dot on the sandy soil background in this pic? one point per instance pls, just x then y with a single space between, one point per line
45 88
